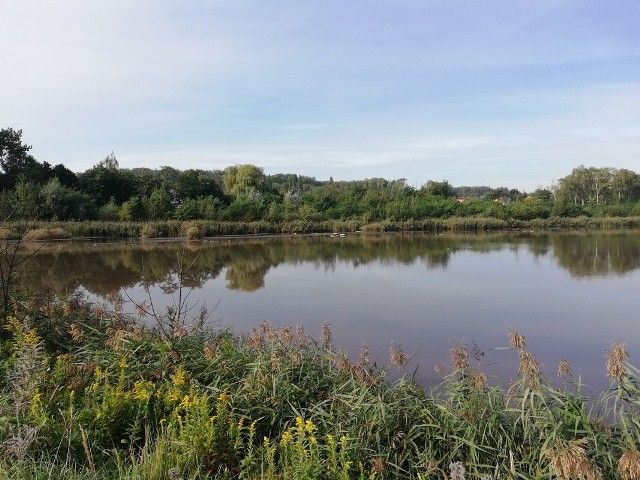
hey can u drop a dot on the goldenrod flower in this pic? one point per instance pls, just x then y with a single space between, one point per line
309 426
180 377
32 338
286 438
140 391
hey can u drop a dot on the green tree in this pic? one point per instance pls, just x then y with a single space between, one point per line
132 209
243 180
194 184
438 189
105 181
26 199
159 205
15 160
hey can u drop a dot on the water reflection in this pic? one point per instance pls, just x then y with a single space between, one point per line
598 254
427 292
104 268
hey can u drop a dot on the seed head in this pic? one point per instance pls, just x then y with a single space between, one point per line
398 358
478 379
459 357
564 370
615 361
363 361
326 337
629 465
570 460
76 333
530 367
516 339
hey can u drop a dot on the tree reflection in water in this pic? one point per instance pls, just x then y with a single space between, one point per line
104 268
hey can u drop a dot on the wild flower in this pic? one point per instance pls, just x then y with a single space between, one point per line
223 397
456 471
123 363
180 377
615 361
142 390
287 438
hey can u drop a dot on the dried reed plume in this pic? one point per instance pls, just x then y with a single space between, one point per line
286 336
77 335
516 339
209 350
629 465
326 337
459 357
363 360
478 379
615 361
564 370
530 367
570 460
398 358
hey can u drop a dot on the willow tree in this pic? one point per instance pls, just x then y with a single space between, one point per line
241 180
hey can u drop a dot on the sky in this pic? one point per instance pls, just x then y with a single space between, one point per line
496 93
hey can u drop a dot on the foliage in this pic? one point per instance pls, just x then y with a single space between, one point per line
243 193
91 393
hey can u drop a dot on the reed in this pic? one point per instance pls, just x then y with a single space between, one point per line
89 393
212 228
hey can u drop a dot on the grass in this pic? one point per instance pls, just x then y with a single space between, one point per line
194 229
89 393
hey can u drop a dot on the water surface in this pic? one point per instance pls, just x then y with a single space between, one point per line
571 295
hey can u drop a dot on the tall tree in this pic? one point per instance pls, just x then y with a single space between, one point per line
15 160
243 180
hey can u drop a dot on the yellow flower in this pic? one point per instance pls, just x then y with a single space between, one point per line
286 438
313 440
140 391
185 402
309 426
223 397
300 424
173 396
32 338
123 363
180 377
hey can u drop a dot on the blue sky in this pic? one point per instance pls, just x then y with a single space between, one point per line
497 93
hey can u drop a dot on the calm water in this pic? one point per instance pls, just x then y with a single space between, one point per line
571 295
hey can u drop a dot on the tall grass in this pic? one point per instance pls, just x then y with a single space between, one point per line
210 228
89 393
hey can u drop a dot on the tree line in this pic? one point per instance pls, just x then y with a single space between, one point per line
31 189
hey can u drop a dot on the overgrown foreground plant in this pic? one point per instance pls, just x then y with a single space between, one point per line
91 394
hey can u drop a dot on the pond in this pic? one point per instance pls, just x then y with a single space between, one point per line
571 294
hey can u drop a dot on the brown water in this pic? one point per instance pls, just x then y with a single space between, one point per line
571 295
